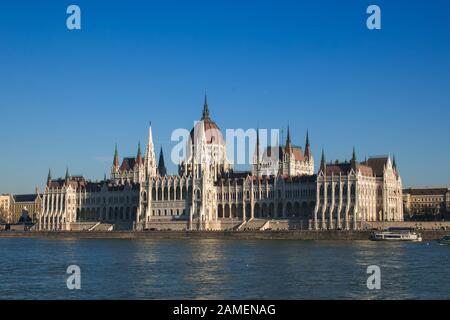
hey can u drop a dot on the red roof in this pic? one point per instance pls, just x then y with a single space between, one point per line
212 132
127 164
377 164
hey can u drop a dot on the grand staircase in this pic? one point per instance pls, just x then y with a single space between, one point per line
102 227
253 224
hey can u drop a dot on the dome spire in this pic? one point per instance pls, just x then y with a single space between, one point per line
205 114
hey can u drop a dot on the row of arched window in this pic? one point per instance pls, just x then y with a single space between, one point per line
169 193
267 210
169 212
112 213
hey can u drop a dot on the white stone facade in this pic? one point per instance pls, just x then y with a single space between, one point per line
350 194
208 195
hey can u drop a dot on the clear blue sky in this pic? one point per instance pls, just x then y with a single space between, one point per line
66 97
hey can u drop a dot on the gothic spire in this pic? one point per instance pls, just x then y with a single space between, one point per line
161 166
150 136
205 114
49 177
67 174
288 140
394 164
307 146
116 157
150 160
353 161
139 154
323 163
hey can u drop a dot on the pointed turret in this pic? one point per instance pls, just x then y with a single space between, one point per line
288 141
116 157
139 160
323 164
353 161
307 147
150 161
161 166
49 177
394 164
67 174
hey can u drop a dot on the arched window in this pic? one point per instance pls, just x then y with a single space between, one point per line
177 193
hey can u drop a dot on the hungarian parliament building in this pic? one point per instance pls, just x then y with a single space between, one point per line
280 192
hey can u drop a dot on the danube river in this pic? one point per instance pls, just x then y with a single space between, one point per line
222 269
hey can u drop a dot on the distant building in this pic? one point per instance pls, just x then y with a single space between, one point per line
426 203
5 208
21 203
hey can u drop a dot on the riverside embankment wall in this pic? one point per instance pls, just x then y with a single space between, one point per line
226 235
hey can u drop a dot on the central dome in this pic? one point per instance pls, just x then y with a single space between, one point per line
212 131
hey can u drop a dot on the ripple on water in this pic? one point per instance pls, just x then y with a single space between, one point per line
222 269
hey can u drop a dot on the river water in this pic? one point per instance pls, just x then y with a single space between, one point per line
222 269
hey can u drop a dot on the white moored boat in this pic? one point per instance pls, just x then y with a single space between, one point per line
397 234
445 240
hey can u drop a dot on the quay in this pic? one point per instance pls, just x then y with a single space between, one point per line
427 235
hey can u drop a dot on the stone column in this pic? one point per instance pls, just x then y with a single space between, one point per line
244 218
316 208
325 204
331 224
356 212
339 208
252 201
347 206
